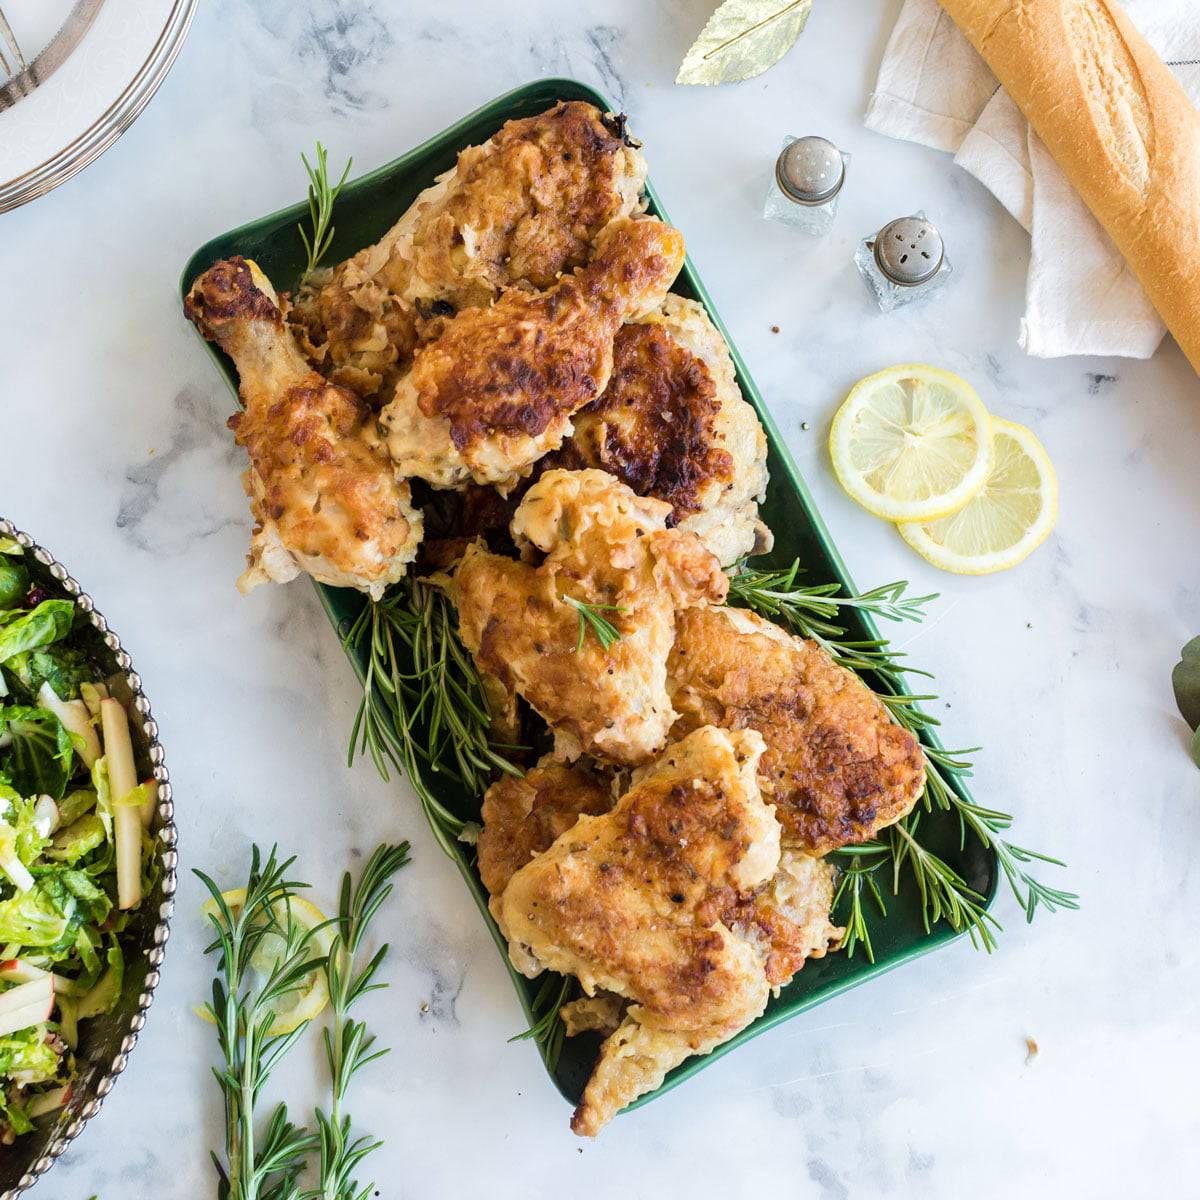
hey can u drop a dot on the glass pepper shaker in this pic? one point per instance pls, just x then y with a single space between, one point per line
803 193
903 262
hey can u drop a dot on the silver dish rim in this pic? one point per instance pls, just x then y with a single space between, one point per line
113 122
73 1118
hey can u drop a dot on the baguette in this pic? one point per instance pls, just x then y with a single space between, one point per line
1118 124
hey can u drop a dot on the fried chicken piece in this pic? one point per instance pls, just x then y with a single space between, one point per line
518 210
496 391
837 768
672 424
633 902
523 816
325 498
607 548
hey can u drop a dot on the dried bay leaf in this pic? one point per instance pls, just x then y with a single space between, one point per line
1185 679
743 38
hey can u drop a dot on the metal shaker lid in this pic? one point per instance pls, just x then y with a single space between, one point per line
810 170
909 251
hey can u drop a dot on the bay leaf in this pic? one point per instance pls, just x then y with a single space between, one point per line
1196 747
1185 679
743 38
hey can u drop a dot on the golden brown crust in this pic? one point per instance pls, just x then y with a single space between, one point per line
523 816
604 546
496 390
324 498
615 899
1119 125
654 427
226 292
837 768
517 211
531 203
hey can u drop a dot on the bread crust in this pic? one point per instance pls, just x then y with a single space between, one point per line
1119 125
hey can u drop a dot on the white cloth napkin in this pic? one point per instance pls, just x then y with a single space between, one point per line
1080 296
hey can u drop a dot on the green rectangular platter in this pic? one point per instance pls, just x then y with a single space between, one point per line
366 209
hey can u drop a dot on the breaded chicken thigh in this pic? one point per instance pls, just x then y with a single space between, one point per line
605 547
648 902
836 767
518 210
497 389
672 424
523 815
325 498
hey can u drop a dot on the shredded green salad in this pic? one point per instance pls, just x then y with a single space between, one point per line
76 855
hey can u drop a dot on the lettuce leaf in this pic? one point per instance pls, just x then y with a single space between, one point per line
73 841
14 582
64 668
33 918
40 756
26 1052
48 623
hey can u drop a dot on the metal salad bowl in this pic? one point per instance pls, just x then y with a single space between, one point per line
105 1042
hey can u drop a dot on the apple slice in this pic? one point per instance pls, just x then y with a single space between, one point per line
50 1101
29 1004
21 970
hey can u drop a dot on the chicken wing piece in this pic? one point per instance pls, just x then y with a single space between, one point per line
607 548
523 816
325 498
672 424
837 768
633 902
518 210
496 391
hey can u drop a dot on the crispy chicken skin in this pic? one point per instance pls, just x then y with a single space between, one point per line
604 546
523 816
651 902
518 210
497 389
837 769
672 424
325 498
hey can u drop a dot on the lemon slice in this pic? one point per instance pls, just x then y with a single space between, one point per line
311 997
1006 521
911 443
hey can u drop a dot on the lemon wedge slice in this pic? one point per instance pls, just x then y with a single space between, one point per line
1005 521
310 998
911 443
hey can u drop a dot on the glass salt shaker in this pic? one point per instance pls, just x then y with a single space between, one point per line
903 262
809 174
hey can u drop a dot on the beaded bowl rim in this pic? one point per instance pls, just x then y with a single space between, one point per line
79 1111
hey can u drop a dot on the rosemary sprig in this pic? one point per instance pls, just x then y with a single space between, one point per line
859 876
348 1045
254 1168
807 611
423 704
548 1029
591 616
322 196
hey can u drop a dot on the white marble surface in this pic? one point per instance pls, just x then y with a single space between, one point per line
116 457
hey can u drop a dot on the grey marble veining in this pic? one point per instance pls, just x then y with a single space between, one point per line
917 1085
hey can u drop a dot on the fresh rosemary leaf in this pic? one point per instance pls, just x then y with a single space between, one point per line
591 616
858 876
322 195
423 705
266 1166
807 611
743 38
349 1046
548 1029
